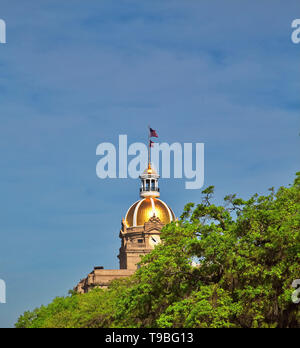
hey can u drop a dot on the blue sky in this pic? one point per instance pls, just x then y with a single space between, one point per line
75 74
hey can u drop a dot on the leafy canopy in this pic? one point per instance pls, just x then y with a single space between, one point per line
218 266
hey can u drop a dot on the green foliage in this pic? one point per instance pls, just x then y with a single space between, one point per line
248 255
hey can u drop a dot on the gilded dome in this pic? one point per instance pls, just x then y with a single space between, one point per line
142 210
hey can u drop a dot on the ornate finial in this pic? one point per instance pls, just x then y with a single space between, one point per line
124 224
154 219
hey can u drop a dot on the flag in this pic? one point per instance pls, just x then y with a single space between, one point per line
153 133
151 143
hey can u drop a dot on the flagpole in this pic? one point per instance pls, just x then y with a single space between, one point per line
152 133
149 154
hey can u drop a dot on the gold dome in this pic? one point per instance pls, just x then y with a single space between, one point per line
142 210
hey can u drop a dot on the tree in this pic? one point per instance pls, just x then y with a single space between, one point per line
247 254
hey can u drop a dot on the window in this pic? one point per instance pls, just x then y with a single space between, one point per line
153 185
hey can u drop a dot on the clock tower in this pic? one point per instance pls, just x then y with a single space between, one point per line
140 231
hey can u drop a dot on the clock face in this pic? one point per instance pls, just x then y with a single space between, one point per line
154 240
